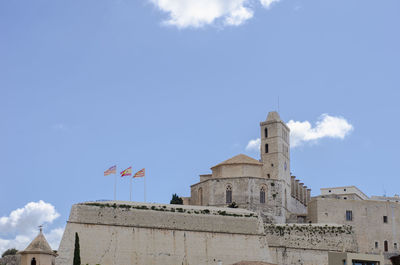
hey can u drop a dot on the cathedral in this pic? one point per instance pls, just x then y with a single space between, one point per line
264 186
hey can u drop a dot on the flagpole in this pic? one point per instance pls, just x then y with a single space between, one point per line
130 189
115 186
144 188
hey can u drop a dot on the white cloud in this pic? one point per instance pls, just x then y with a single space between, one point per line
253 145
198 13
302 131
21 225
268 3
326 127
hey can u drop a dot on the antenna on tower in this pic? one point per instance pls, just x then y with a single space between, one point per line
278 105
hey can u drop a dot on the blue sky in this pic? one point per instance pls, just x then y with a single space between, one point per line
88 84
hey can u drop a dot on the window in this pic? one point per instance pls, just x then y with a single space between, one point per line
269 176
200 194
229 194
262 194
349 215
385 219
266 148
345 198
376 244
266 132
386 246
395 245
33 262
344 189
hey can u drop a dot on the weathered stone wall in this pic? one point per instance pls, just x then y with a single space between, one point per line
246 193
308 244
10 260
131 233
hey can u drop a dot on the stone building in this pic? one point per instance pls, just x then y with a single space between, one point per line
375 220
264 186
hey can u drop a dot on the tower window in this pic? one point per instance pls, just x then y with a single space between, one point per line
385 219
200 194
349 215
33 262
229 194
376 245
385 246
395 245
266 148
266 132
262 194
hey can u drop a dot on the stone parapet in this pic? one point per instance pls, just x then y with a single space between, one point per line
312 237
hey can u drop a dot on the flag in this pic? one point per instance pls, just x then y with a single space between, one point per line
127 172
111 170
139 174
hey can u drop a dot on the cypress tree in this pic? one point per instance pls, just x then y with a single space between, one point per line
77 254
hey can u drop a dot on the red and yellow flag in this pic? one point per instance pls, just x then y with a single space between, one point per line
111 170
140 173
126 172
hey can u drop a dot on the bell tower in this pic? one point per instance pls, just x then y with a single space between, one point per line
275 157
275 148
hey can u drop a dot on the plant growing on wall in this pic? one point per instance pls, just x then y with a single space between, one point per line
176 199
77 254
233 205
10 251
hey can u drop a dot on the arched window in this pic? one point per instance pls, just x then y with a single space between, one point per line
262 194
386 246
285 199
266 132
229 193
200 196
33 262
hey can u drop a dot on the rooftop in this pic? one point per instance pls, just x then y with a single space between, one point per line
240 159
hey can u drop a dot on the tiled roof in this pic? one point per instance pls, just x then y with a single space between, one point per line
240 159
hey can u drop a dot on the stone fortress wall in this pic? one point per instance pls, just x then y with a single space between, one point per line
125 233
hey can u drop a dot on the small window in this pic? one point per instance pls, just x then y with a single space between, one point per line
349 215
345 198
33 261
200 195
266 132
386 246
229 194
330 191
262 195
385 219
376 244
266 148
269 176
395 245
344 189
